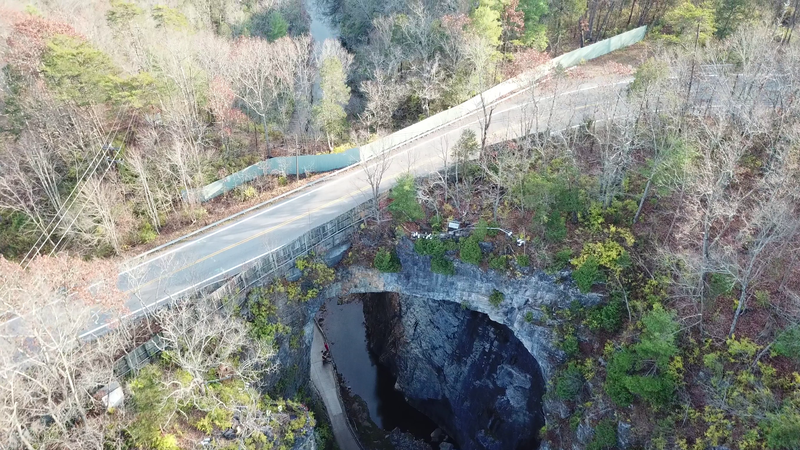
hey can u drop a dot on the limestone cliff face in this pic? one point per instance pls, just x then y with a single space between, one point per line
471 287
467 373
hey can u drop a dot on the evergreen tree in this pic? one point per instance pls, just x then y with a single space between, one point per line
329 112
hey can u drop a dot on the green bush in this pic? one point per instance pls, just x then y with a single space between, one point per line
529 317
720 284
429 247
620 363
605 436
499 263
146 233
437 223
470 251
570 345
587 274
606 317
492 230
496 298
569 382
556 228
782 430
404 206
442 265
643 369
788 343
147 398
387 261
561 259
523 260
481 229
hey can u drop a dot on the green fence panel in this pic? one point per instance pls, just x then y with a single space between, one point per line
601 48
290 165
282 165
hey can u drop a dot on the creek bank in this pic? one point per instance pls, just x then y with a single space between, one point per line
367 386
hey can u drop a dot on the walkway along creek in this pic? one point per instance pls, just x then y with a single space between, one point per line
323 377
364 376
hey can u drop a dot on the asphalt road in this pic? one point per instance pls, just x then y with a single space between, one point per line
223 251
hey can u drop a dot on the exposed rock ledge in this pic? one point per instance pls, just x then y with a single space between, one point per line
471 287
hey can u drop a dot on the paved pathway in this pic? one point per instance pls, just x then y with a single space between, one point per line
324 379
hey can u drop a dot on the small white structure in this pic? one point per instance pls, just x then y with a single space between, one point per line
112 396
453 225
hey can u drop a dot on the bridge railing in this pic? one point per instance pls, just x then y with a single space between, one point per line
279 262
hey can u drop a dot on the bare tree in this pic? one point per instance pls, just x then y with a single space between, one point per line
49 371
203 336
374 171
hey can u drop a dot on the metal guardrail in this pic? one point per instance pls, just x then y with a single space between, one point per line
276 263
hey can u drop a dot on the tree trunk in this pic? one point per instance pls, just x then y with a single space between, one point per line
644 197
266 134
630 16
739 307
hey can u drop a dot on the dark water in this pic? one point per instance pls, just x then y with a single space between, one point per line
370 380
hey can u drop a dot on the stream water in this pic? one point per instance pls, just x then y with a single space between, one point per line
370 380
320 29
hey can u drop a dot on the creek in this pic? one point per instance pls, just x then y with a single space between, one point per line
320 28
365 376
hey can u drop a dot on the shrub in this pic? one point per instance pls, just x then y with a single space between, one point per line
529 317
561 259
555 228
282 180
616 376
437 222
605 436
496 298
523 260
742 350
499 263
587 274
720 284
782 430
570 382
481 229
146 233
387 261
570 345
404 206
651 356
245 193
492 229
429 247
442 265
788 343
470 251
607 317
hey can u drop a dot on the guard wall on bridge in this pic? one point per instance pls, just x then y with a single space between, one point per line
325 163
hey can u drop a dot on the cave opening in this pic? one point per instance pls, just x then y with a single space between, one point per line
419 364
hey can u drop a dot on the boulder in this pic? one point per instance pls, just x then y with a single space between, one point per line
584 433
336 254
624 435
294 274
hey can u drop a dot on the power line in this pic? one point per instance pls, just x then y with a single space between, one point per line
93 165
